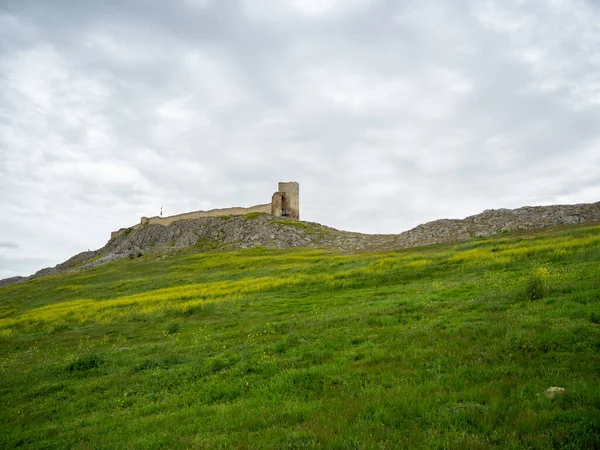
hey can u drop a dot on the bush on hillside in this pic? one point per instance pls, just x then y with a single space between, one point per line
83 363
538 286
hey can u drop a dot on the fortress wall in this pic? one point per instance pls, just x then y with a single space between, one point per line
291 199
277 204
285 202
236 211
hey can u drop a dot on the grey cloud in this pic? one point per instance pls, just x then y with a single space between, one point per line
8 245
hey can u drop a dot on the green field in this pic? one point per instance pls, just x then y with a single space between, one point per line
449 346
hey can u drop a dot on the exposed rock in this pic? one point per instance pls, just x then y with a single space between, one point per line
12 280
553 391
274 232
70 263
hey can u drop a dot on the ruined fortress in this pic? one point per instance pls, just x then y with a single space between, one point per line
238 232
284 203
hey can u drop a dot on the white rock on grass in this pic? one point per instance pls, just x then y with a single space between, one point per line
552 391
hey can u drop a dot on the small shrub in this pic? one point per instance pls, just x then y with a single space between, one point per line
307 383
187 310
172 328
83 363
137 319
537 286
147 364
59 328
219 364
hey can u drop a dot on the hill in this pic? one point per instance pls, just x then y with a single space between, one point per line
255 229
444 346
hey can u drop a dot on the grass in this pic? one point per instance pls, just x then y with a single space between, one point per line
253 215
447 346
295 223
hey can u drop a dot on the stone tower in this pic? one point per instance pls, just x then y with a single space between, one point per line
286 201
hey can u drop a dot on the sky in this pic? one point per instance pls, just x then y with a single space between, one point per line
388 113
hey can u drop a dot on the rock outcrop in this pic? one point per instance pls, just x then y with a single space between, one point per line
274 232
12 280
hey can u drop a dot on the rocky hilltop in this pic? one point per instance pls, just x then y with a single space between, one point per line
251 230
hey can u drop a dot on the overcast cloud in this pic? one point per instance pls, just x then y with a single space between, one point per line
388 113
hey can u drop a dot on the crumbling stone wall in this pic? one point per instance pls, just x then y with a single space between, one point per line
277 204
284 203
236 211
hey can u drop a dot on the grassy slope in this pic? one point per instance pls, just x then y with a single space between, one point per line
441 347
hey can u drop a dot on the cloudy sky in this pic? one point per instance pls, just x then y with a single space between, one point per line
388 113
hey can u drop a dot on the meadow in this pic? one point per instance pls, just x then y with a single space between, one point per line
447 346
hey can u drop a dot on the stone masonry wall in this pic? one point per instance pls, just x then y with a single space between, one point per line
235 211
285 202
277 204
291 199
